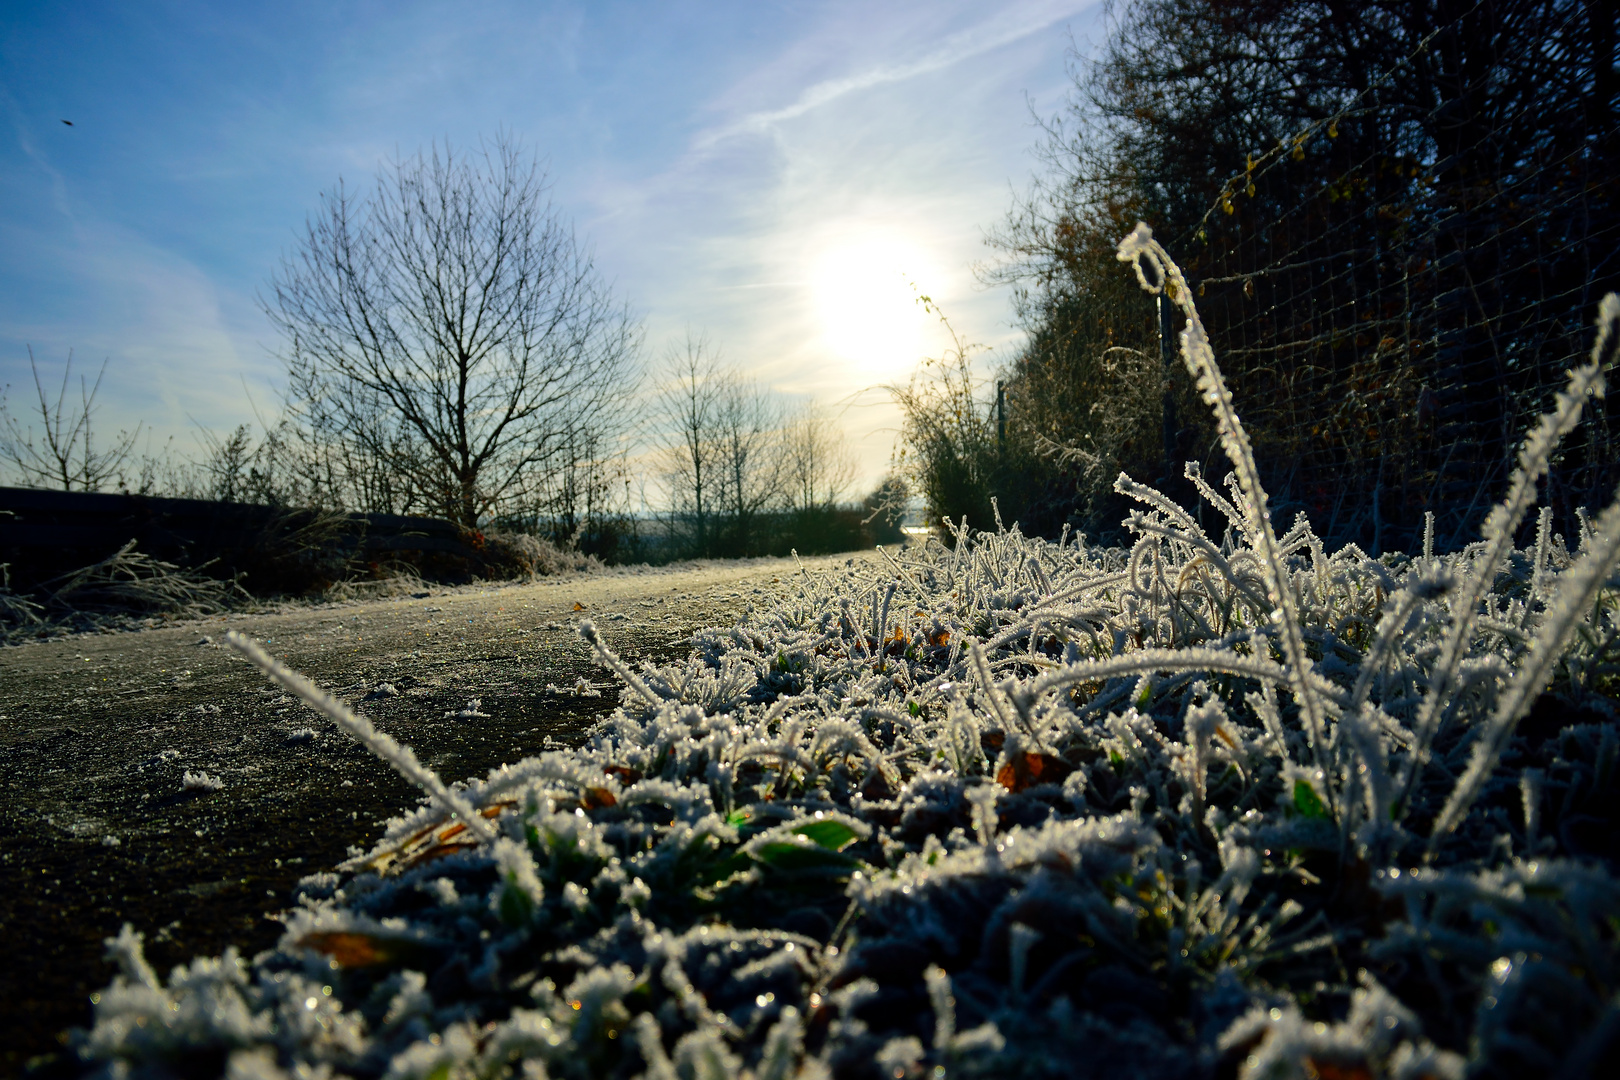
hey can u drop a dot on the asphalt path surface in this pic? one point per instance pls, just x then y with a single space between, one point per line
98 732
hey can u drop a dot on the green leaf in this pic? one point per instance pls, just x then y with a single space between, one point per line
1307 802
735 862
914 708
831 834
516 906
785 855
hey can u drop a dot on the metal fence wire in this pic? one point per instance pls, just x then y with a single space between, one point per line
1396 292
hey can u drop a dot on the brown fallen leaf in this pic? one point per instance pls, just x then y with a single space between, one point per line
353 949
598 796
431 841
578 606
1025 769
896 643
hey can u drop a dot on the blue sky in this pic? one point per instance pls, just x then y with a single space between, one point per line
769 174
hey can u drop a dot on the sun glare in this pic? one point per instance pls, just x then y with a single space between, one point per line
866 299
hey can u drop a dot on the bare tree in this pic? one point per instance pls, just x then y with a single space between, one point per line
750 456
816 463
688 408
450 325
744 472
65 454
582 500
349 450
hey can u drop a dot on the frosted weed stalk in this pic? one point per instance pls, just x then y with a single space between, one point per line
1009 808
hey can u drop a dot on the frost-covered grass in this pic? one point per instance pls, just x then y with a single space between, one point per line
123 591
1013 808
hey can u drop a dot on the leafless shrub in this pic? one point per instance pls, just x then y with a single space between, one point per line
394 580
953 453
65 454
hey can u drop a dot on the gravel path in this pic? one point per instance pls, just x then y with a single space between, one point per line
97 733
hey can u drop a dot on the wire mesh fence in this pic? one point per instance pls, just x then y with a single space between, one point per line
1398 290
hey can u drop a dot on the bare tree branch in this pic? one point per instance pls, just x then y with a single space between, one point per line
451 328
65 456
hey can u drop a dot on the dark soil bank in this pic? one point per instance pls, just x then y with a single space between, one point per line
97 734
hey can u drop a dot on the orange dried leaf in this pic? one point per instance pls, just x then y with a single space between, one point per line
350 949
895 644
1025 769
578 606
598 796
430 842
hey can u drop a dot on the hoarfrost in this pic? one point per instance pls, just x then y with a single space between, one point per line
1003 808
200 781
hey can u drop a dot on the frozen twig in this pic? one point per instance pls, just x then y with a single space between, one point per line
401 757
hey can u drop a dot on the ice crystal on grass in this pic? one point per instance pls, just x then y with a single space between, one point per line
1007 808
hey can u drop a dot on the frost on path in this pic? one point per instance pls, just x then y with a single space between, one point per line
200 781
1220 802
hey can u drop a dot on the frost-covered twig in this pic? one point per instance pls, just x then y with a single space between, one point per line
401 757
610 659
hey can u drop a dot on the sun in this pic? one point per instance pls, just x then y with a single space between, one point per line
866 294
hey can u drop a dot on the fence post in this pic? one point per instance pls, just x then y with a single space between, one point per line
1001 416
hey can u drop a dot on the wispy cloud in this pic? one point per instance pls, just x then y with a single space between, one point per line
984 37
21 131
